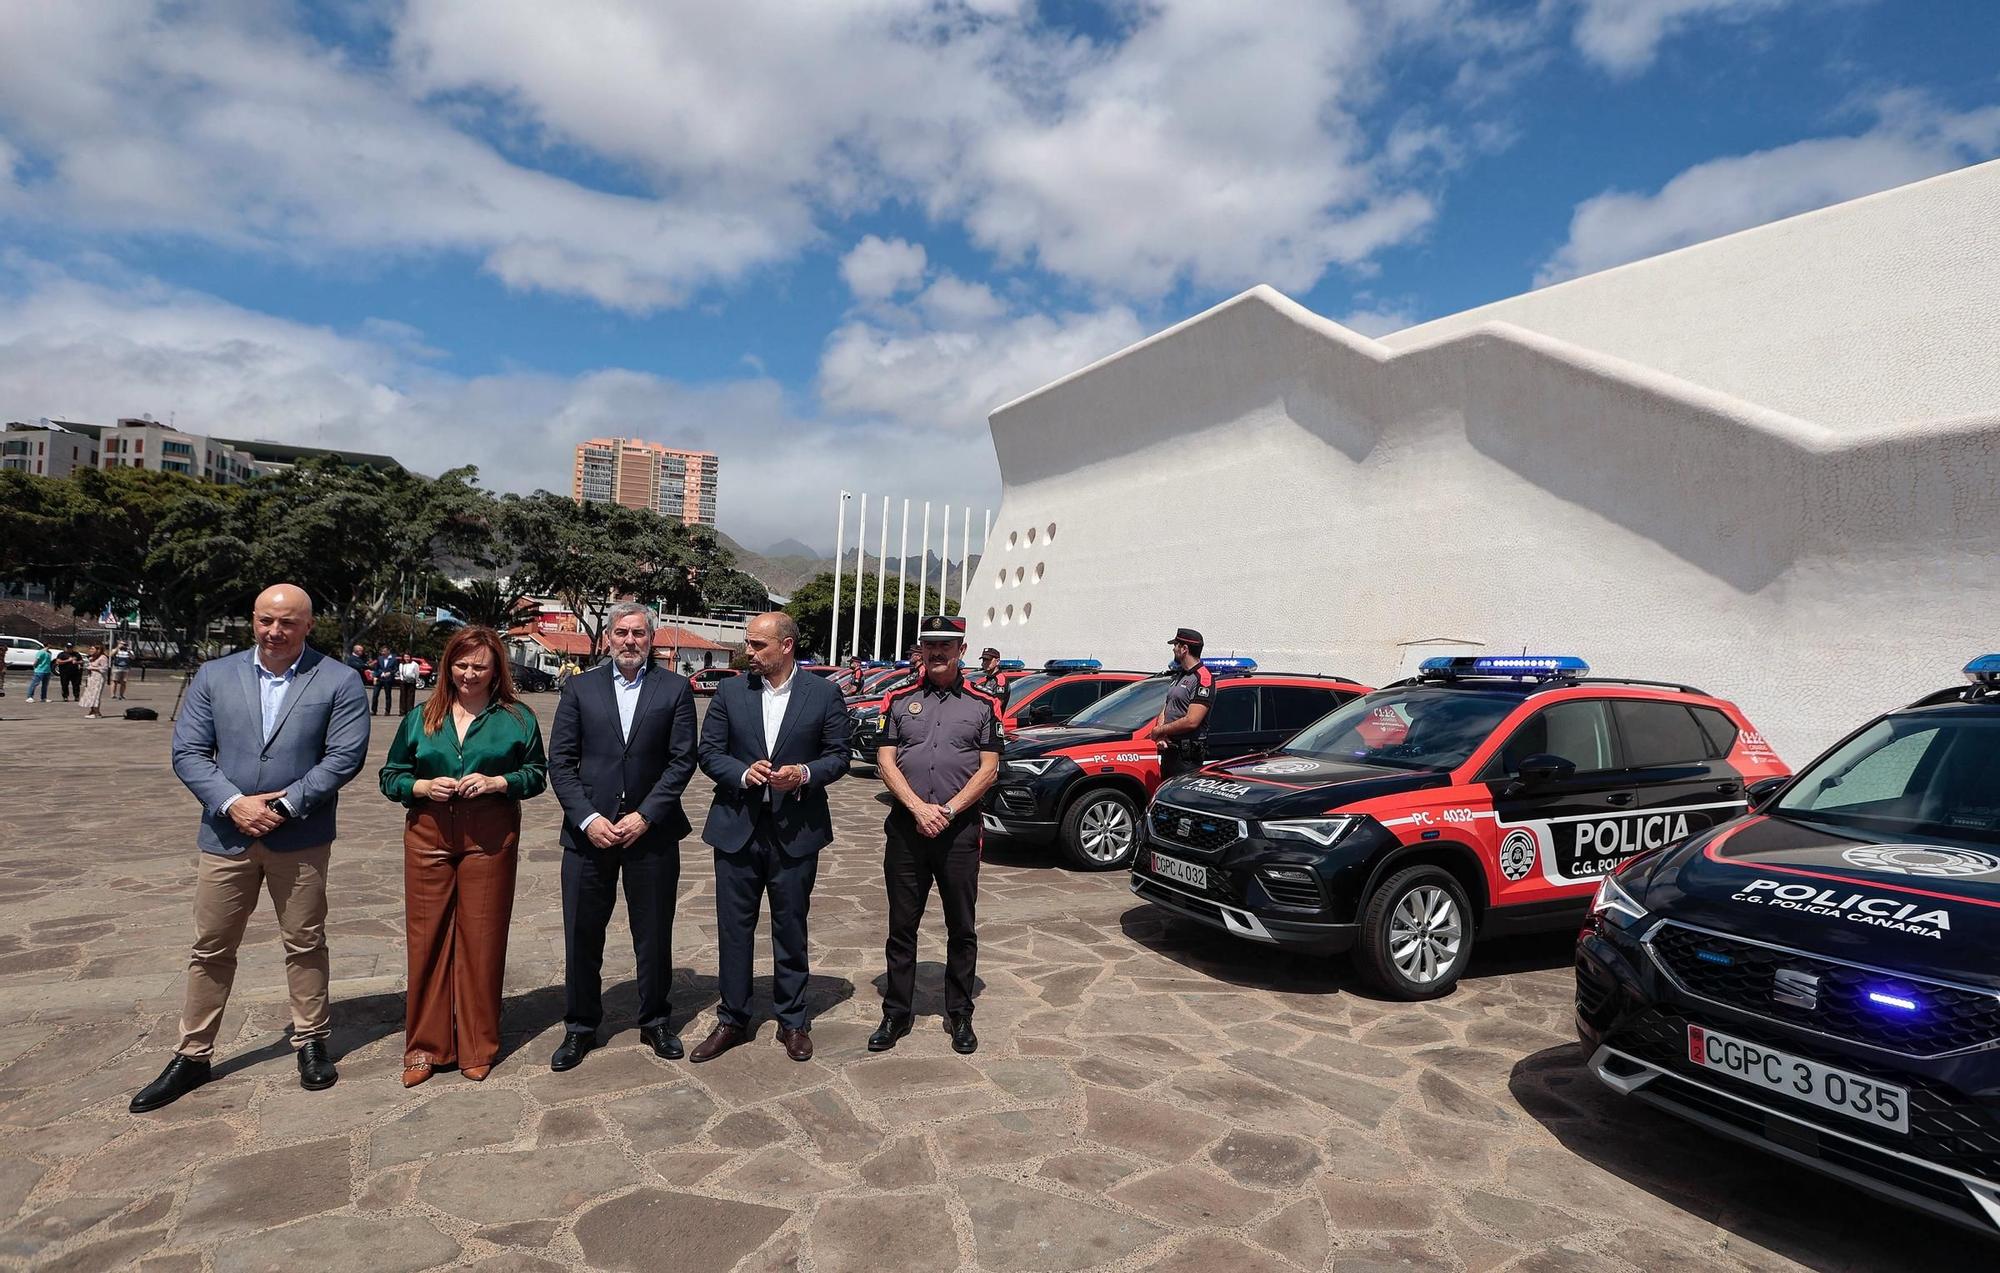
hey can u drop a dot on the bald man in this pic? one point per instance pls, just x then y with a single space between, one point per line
265 739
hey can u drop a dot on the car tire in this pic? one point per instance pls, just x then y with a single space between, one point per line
1100 831
1416 934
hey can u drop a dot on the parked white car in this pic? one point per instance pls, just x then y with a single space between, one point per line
21 651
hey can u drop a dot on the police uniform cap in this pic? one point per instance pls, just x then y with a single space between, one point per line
942 627
989 653
1188 635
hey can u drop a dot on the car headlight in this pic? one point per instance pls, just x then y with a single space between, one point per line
1321 831
1613 904
1032 767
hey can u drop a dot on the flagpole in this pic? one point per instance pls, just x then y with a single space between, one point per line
944 561
881 575
902 577
923 566
839 545
860 569
964 559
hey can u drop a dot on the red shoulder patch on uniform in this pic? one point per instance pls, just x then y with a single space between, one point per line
992 700
1204 675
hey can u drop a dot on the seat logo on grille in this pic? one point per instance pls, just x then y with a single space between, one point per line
1799 989
1181 827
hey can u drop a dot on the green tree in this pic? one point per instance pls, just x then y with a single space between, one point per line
588 555
731 589
486 602
812 608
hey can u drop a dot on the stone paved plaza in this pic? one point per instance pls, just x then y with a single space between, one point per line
1146 1096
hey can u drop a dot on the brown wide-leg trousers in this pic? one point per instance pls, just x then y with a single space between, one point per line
459 861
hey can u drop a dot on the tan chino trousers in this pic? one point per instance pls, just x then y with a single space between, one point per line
225 894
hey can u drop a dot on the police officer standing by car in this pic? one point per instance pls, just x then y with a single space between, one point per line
987 679
940 753
1178 729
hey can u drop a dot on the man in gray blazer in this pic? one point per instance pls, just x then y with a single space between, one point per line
265 739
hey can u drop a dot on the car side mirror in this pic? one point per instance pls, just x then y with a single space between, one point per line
1761 791
1541 769
1040 713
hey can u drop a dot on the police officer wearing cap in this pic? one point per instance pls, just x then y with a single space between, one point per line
987 679
940 753
1178 727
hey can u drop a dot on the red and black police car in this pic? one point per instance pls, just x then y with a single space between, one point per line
1059 691
1820 978
1487 795
1083 784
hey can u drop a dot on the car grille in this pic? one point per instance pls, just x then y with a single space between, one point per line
1018 802
1945 1128
1303 894
1205 834
1594 987
1741 974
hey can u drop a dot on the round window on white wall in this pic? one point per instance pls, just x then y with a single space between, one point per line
1040 566
1013 539
1031 534
1000 577
1027 611
1051 532
989 616
1020 573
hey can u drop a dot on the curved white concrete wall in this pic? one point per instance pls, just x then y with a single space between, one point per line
1311 497
1883 308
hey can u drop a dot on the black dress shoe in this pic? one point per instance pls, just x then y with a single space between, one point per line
722 1038
182 1075
963 1040
316 1072
571 1050
893 1027
665 1043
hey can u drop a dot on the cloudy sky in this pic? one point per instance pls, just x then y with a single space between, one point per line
824 238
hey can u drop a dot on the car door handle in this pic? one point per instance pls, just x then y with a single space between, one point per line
1727 788
1620 798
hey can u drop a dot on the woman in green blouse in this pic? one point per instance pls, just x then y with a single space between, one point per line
463 762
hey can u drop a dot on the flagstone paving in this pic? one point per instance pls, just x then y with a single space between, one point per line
1146 1096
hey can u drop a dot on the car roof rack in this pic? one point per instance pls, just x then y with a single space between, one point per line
1633 680
1955 694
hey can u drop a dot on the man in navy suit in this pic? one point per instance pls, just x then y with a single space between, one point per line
265 739
620 755
773 741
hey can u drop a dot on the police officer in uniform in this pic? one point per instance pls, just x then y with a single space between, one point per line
987 679
940 753
1178 728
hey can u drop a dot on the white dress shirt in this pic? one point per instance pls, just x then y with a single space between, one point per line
776 699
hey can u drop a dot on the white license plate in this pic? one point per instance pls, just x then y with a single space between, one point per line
1185 872
1844 1092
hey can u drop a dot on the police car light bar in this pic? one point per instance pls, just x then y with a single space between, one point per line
1984 670
1068 665
1238 663
1012 665
1532 666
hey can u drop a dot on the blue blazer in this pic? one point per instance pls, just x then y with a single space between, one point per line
319 742
594 768
813 734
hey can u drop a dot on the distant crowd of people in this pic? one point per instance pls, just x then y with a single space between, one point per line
81 675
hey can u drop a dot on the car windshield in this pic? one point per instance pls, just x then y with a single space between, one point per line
1413 728
1932 775
877 680
1020 687
1125 709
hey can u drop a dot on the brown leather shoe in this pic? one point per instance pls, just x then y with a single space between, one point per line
720 1039
415 1074
798 1043
477 1073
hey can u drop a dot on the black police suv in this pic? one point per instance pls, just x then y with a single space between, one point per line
1820 978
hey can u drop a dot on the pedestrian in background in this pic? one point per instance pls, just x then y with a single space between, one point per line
357 658
121 664
96 668
69 672
38 679
462 765
265 739
384 667
407 673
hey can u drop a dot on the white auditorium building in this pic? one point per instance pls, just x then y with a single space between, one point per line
1767 465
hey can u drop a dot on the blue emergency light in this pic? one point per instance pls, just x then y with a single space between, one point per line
1012 665
1235 663
1526 666
1984 670
1068 665
1900 1002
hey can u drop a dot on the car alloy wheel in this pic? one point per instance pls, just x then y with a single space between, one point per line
1101 830
1425 931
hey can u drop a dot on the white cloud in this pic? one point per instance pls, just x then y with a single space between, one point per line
1624 36
1721 196
876 268
951 301
94 343
1377 322
947 378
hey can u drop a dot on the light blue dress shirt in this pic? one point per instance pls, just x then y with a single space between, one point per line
271 690
627 694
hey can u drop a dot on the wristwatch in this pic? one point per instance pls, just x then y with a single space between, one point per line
283 809
950 809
